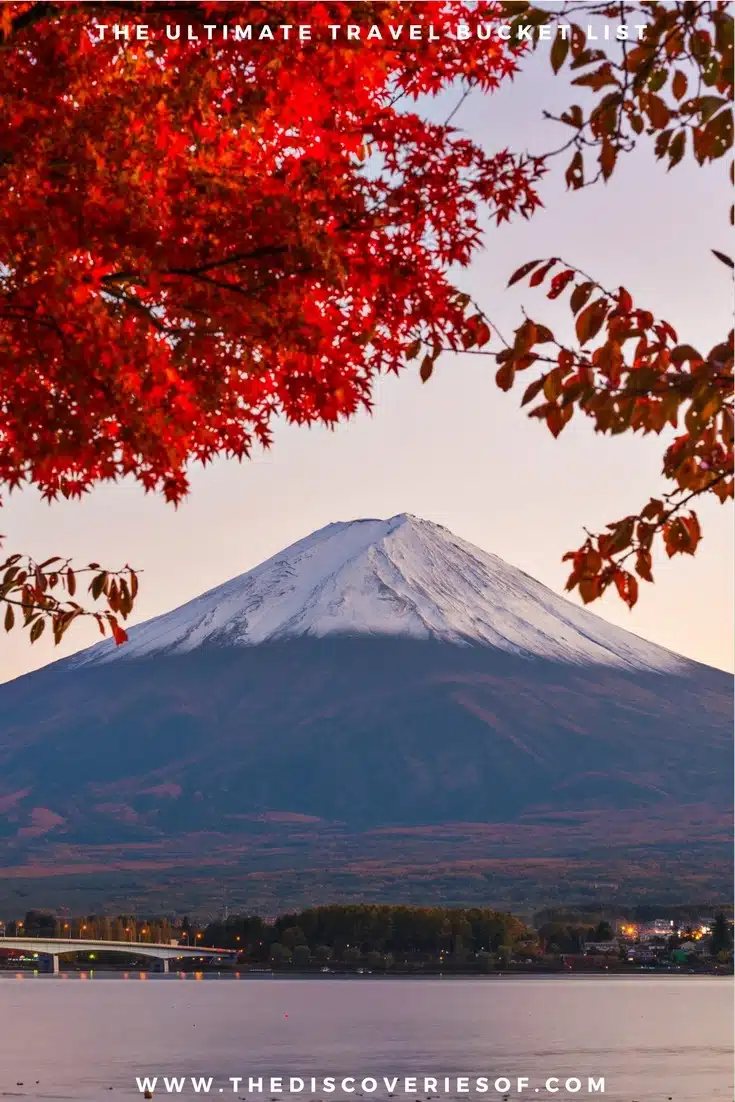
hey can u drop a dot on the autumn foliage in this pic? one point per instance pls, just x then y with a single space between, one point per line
197 238
628 371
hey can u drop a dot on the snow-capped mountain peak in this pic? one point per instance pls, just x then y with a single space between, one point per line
398 577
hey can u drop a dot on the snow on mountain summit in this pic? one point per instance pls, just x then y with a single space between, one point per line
398 577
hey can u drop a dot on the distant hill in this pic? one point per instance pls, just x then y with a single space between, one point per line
380 711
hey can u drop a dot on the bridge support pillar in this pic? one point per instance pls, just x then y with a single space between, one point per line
161 964
51 963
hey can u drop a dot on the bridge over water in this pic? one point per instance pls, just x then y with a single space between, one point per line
52 948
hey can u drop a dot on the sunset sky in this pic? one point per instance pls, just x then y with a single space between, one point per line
457 450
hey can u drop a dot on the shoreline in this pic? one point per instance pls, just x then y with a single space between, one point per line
141 975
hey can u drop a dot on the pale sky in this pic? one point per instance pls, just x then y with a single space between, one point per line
457 450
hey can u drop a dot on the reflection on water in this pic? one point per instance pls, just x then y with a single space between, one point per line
95 973
652 1038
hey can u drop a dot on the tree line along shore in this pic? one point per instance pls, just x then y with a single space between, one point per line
401 939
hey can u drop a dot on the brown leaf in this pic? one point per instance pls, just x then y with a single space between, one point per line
643 565
532 391
505 375
118 634
575 172
580 295
676 148
98 584
681 536
519 273
684 352
658 112
541 273
598 79
625 302
525 337
578 40
691 523
679 84
552 384
589 589
589 322
627 587
559 51
662 143
573 117
483 334
559 283
608 157
718 135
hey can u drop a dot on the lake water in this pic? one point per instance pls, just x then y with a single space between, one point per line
651 1038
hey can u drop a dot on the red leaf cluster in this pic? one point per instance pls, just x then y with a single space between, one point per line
636 378
200 236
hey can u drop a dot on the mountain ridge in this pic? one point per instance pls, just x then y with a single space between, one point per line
403 576
484 739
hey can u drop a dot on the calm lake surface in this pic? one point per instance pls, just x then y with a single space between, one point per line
651 1038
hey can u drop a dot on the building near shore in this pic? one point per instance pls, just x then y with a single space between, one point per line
602 948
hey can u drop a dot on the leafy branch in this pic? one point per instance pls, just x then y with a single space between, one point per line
637 378
674 85
35 594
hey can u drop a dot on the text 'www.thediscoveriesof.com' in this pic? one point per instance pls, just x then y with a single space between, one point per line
409 1086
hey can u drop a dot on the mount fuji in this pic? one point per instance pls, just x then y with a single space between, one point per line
402 577
381 711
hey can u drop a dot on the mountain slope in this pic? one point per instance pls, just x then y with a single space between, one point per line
381 696
400 577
